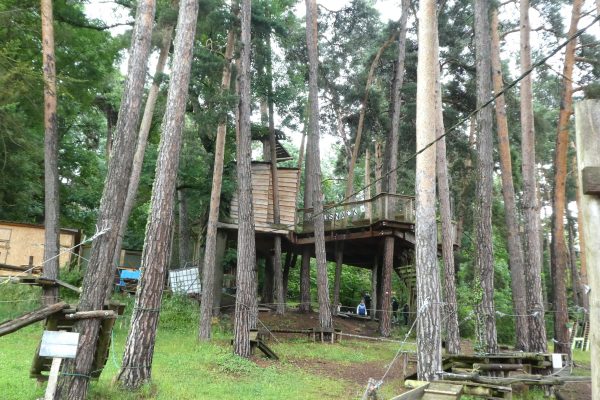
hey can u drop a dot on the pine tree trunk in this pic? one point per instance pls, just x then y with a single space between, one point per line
277 270
246 254
451 307
185 234
208 270
139 349
314 159
51 182
392 175
339 260
485 163
515 248
575 280
559 249
74 382
142 140
385 319
374 286
305 298
429 348
531 223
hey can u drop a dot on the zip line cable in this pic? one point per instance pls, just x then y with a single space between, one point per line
454 127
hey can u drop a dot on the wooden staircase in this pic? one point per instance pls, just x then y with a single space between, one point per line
581 342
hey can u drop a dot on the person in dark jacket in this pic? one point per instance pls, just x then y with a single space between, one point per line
395 307
405 313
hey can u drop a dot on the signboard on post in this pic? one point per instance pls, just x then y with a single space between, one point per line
59 344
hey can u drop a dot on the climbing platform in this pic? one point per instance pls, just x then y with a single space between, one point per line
61 321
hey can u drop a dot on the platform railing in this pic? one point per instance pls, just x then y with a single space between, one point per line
382 207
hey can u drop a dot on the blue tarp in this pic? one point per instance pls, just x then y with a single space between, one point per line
128 274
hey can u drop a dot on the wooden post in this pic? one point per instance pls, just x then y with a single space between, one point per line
374 287
587 121
53 379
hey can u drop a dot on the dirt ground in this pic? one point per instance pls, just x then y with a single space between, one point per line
361 373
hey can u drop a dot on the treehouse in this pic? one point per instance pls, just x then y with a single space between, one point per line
355 229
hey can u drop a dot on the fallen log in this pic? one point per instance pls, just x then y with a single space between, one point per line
30 318
92 314
498 367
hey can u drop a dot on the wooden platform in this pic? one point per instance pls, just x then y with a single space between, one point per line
59 321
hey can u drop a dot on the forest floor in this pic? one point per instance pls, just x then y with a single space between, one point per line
186 369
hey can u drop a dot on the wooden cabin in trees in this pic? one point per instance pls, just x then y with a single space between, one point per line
358 227
22 246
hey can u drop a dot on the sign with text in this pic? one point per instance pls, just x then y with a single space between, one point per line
59 344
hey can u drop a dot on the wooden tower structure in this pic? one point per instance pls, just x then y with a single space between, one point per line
361 225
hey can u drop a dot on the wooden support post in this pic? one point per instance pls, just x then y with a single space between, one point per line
53 379
221 246
374 287
587 121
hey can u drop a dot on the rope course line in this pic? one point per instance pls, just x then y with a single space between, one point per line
452 128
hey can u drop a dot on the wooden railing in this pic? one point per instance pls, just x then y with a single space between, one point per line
384 206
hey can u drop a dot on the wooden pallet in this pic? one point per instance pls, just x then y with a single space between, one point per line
58 322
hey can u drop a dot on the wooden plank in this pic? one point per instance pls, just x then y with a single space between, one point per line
414 394
53 379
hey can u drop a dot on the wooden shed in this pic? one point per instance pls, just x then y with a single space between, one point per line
262 197
20 241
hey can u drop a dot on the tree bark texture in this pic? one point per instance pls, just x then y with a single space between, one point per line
100 267
142 140
429 346
451 307
339 260
185 233
136 368
314 159
575 279
385 319
485 165
305 297
246 253
374 286
531 223
304 305
51 181
209 266
559 258
515 247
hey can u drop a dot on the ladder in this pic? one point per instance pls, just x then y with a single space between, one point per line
586 336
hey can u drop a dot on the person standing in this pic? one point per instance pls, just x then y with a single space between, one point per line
361 309
395 307
367 299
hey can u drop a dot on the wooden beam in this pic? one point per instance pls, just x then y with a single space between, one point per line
590 180
30 318
92 314
587 130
